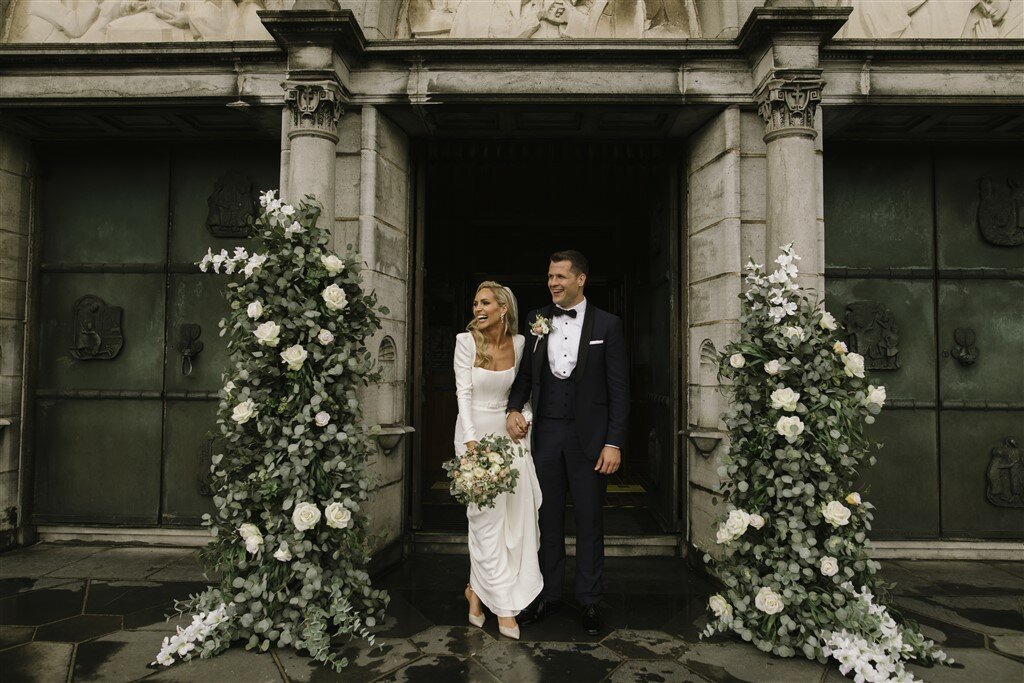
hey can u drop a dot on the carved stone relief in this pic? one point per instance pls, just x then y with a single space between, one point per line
120 21
790 103
1001 211
97 329
548 19
387 359
871 332
708 363
1005 475
315 108
231 205
910 19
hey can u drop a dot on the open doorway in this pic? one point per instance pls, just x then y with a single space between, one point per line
495 210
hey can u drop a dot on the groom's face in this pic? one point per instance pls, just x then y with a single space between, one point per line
565 285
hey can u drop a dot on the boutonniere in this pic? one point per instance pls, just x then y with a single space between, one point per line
541 326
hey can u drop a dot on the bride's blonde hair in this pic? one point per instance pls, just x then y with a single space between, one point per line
503 295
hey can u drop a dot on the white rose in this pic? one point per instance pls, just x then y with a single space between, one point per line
768 601
268 333
737 360
282 554
793 333
840 347
293 229
254 310
252 537
294 356
332 263
495 458
337 515
854 499
722 536
785 399
244 411
853 365
828 321
305 516
325 336
876 396
756 521
773 367
829 566
479 472
790 427
720 606
836 514
737 522
334 297
322 419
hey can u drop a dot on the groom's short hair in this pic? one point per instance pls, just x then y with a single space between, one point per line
578 260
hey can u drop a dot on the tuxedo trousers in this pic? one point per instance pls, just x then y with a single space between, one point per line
562 466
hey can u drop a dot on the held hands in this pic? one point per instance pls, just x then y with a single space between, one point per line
516 426
609 461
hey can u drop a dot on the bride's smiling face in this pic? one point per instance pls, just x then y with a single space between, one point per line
486 310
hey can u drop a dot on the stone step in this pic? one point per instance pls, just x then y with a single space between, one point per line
653 545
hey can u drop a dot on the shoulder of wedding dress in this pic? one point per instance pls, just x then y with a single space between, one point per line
465 339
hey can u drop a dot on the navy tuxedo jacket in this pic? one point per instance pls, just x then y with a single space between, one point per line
601 376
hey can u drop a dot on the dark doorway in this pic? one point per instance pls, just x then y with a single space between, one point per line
495 210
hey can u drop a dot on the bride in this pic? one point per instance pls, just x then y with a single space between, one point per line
504 571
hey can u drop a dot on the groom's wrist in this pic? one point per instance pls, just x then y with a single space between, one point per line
611 445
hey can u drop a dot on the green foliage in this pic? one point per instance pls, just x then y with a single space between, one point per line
294 444
794 529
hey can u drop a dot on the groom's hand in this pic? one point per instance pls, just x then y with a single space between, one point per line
608 463
516 425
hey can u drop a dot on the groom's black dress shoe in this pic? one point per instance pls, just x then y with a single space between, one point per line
536 611
592 620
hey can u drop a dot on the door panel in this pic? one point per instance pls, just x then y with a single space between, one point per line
98 461
189 427
105 204
137 365
970 471
195 299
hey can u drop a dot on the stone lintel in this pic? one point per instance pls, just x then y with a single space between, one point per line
336 29
808 26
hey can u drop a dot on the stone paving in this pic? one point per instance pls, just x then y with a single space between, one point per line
94 613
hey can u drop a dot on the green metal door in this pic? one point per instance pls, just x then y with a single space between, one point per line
911 272
129 358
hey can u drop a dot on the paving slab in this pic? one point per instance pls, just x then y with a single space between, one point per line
78 629
36 663
234 665
983 614
117 658
365 663
13 586
730 661
632 644
954 577
448 669
972 665
44 605
528 662
122 563
42 559
464 641
653 671
186 568
15 635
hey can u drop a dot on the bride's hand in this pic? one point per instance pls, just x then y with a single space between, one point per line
516 425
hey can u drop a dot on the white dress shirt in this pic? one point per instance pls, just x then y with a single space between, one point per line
564 341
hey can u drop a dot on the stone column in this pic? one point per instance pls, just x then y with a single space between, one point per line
315 108
788 102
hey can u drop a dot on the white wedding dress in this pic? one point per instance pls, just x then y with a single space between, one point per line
503 540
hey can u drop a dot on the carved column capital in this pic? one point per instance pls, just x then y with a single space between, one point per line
788 104
315 108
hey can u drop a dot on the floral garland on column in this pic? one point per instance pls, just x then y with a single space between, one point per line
289 533
797 578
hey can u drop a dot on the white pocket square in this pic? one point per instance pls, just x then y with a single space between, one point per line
597 341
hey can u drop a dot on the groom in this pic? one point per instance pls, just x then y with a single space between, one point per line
577 376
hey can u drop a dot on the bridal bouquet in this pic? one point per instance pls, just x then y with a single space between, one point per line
480 474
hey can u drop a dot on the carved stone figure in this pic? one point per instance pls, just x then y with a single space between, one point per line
871 332
1001 212
97 329
426 18
231 205
931 18
1005 475
99 21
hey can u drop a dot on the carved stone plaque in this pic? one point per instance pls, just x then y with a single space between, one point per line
97 329
871 332
232 204
1005 475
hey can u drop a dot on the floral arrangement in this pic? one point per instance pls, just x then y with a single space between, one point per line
484 471
289 532
796 575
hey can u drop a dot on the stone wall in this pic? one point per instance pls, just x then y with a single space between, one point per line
372 212
15 220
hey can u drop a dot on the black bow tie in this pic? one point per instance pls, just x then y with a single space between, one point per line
561 311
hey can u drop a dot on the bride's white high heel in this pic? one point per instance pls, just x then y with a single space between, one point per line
509 631
475 619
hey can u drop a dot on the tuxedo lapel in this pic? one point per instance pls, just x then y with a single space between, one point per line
540 354
584 348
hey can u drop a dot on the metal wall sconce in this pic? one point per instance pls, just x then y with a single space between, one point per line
704 442
390 435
